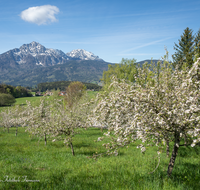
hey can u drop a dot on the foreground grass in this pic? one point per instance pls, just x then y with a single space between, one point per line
53 166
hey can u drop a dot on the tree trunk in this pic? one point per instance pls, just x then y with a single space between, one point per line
174 153
167 147
8 129
72 148
45 139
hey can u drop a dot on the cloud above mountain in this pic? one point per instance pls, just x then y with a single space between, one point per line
40 15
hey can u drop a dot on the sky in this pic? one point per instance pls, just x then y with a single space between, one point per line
111 29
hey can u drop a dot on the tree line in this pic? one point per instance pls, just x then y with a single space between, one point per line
186 53
62 85
8 94
16 92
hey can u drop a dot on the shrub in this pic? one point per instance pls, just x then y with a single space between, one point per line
6 99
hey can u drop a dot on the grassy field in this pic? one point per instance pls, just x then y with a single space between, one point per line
54 167
92 94
22 101
36 100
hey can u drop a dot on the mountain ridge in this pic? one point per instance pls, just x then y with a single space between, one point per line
82 54
43 56
33 63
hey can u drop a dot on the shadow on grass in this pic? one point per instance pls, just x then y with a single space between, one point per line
101 153
188 174
95 134
82 144
60 145
193 151
5 106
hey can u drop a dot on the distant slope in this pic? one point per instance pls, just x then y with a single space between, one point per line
148 61
34 54
84 71
33 63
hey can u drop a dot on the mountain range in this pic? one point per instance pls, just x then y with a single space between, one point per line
33 63
36 54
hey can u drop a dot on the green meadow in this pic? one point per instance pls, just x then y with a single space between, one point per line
22 101
26 163
54 167
36 100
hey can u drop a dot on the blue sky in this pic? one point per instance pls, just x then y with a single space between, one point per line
111 29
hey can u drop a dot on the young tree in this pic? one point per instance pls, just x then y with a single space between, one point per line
74 92
6 119
63 125
37 119
165 107
65 121
127 69
184 50
55 120
17 119
11 118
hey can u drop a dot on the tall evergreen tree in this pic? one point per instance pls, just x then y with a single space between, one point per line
184 50
197 45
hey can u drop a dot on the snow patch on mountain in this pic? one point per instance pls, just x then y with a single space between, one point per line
40 55
36 49
39 64
81 54
43 56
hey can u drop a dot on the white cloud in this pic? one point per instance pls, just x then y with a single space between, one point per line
40 15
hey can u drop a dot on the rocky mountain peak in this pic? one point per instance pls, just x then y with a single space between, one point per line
33 48
36 54
81 54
